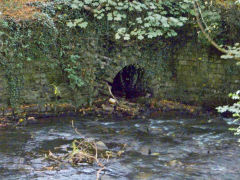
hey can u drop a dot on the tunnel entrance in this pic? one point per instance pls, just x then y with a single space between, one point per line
130 82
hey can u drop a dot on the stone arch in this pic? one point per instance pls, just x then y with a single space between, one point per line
130 82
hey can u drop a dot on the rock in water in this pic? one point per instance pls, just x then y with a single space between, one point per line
101 146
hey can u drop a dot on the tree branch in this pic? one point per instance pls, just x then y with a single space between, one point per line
204 32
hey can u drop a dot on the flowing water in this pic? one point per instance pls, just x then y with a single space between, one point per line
161 148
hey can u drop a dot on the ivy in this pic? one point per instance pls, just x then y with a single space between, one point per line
74 70
11 60
130 20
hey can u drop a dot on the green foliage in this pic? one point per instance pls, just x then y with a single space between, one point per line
234 109
130 20
11 60
21 43
74 72
234 52
221 20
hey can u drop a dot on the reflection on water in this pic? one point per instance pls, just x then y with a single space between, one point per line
163 148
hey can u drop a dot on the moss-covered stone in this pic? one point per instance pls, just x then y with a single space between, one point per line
70 68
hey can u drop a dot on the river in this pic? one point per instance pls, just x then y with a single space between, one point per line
160 148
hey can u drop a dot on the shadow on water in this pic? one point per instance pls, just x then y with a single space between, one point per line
162 148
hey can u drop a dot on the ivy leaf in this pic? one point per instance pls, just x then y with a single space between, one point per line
173 20
70 24
150 36
134 32
152 6
164 22
164 13
120 4
2 33
118 17
78 20
100 16
95 4
172 33
83 25
192 12
109 17
88 1
227 56
140 37
121 30
139 20
159 32
126 37
117 36
29 59
74 6
147 24
102 1
183 19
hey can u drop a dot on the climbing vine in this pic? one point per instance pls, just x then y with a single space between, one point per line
11 61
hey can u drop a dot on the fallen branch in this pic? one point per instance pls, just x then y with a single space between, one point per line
98 173
110 92
75 129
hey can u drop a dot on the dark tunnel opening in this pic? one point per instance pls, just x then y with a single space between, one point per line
130 82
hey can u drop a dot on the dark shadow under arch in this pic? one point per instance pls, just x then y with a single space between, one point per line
130 82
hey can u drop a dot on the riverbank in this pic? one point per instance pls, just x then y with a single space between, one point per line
31 114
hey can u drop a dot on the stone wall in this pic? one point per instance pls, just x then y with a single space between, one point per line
202 77
3 91
193 74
